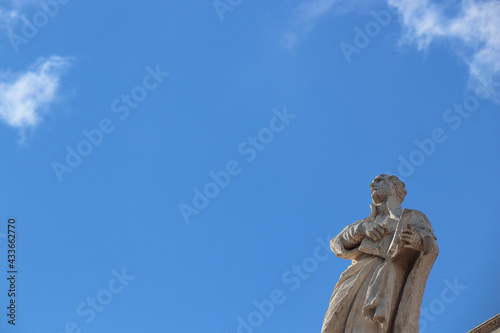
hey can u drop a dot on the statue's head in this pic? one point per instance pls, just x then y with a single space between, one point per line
385 186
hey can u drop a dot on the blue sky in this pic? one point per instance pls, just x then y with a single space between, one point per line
114 118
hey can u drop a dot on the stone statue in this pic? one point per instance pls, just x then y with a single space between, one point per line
392 253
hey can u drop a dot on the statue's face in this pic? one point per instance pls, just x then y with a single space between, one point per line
381 188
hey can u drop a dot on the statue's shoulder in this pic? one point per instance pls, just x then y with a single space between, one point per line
420 220
418 214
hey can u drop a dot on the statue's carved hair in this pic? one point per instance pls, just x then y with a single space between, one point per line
399 186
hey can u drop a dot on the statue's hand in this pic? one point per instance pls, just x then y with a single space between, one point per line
372 230
411 239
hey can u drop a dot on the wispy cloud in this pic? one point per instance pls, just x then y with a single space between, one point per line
470 27
312 9
26 96
474 31
12 11
307 13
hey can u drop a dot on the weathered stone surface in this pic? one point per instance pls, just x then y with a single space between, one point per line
490 326
392 253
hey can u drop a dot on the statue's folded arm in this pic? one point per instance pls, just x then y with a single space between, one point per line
345 244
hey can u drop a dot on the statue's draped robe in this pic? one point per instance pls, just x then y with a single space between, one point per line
378 295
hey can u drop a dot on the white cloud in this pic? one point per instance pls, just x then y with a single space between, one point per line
13 11
307 13
474 32
290 40
24 97
8 18
313 9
